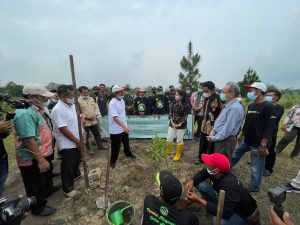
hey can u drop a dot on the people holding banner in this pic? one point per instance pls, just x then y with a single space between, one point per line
178 121
141 103
118 129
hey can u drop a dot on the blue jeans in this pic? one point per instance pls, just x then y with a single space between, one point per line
257 163
209 194
3 174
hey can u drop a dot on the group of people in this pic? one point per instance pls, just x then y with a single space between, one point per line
219 118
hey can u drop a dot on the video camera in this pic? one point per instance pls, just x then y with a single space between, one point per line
12 209
18 104
277 196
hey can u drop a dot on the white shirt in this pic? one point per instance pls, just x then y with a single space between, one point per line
116 108
64 115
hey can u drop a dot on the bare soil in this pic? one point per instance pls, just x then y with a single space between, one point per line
131 180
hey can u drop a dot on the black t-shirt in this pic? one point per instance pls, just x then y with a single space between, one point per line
278 111
259 123
141 104
159 104
3 154
237 198
156 213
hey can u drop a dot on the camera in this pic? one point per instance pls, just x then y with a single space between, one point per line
18 104
13 208
277 196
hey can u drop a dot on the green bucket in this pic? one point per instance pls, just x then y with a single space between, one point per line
120 213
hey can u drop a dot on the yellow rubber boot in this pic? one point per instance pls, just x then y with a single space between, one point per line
168 148
179 150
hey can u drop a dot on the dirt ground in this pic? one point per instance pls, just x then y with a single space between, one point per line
131 180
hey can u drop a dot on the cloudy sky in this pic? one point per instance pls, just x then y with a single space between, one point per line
142 42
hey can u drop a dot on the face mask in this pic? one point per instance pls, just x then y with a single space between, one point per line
188 91
268 99
54 100
85 97
223 97
70 101
239 99
176 97
206 95
251 96
200 90
121 97
210 172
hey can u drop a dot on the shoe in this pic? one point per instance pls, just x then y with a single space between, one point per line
168 148
71 194
46 211
55 174
179 150
267 173
290 188
131 155
112 165
251 189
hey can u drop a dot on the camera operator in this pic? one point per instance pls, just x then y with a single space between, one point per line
5 128
33 144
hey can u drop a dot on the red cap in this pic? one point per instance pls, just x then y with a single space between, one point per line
218 161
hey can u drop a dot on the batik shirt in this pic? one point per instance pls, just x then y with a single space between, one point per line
293 118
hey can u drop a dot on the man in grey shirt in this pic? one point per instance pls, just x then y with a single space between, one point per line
229 121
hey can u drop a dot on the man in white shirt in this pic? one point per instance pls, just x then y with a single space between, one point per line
66 132
118 129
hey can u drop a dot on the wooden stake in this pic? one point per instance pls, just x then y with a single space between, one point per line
82 146
220 207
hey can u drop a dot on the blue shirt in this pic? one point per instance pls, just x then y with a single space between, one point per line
229 121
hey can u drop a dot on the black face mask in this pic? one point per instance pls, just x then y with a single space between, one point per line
154 92
96 93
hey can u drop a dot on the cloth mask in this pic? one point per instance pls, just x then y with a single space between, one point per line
268 99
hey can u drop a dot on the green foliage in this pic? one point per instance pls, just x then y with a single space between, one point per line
190 74
290 99
157 150
249 78
12 89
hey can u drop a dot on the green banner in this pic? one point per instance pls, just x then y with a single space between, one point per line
148 126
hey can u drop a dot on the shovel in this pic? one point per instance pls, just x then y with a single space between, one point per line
102 202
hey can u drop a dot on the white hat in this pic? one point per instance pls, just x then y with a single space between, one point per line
116 88
259 85
36 89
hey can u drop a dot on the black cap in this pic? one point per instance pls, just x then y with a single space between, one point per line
153 88
160 88
209 84
170 186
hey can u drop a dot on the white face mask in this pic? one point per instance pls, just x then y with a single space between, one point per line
85 97
210 172
45 104
121 97
70 101
206 95
176 97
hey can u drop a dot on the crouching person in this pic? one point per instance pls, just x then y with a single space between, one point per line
239 206
163 210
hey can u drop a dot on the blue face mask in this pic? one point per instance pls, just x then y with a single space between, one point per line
200 90
223 97
210 172
268 99
251 96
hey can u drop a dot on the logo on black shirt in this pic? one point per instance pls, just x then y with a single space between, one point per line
164 211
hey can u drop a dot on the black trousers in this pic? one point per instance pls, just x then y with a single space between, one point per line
271 157
95 131
205 146
198 121
116 140
69 167
34 184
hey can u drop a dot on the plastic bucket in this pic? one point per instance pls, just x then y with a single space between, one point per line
120 213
